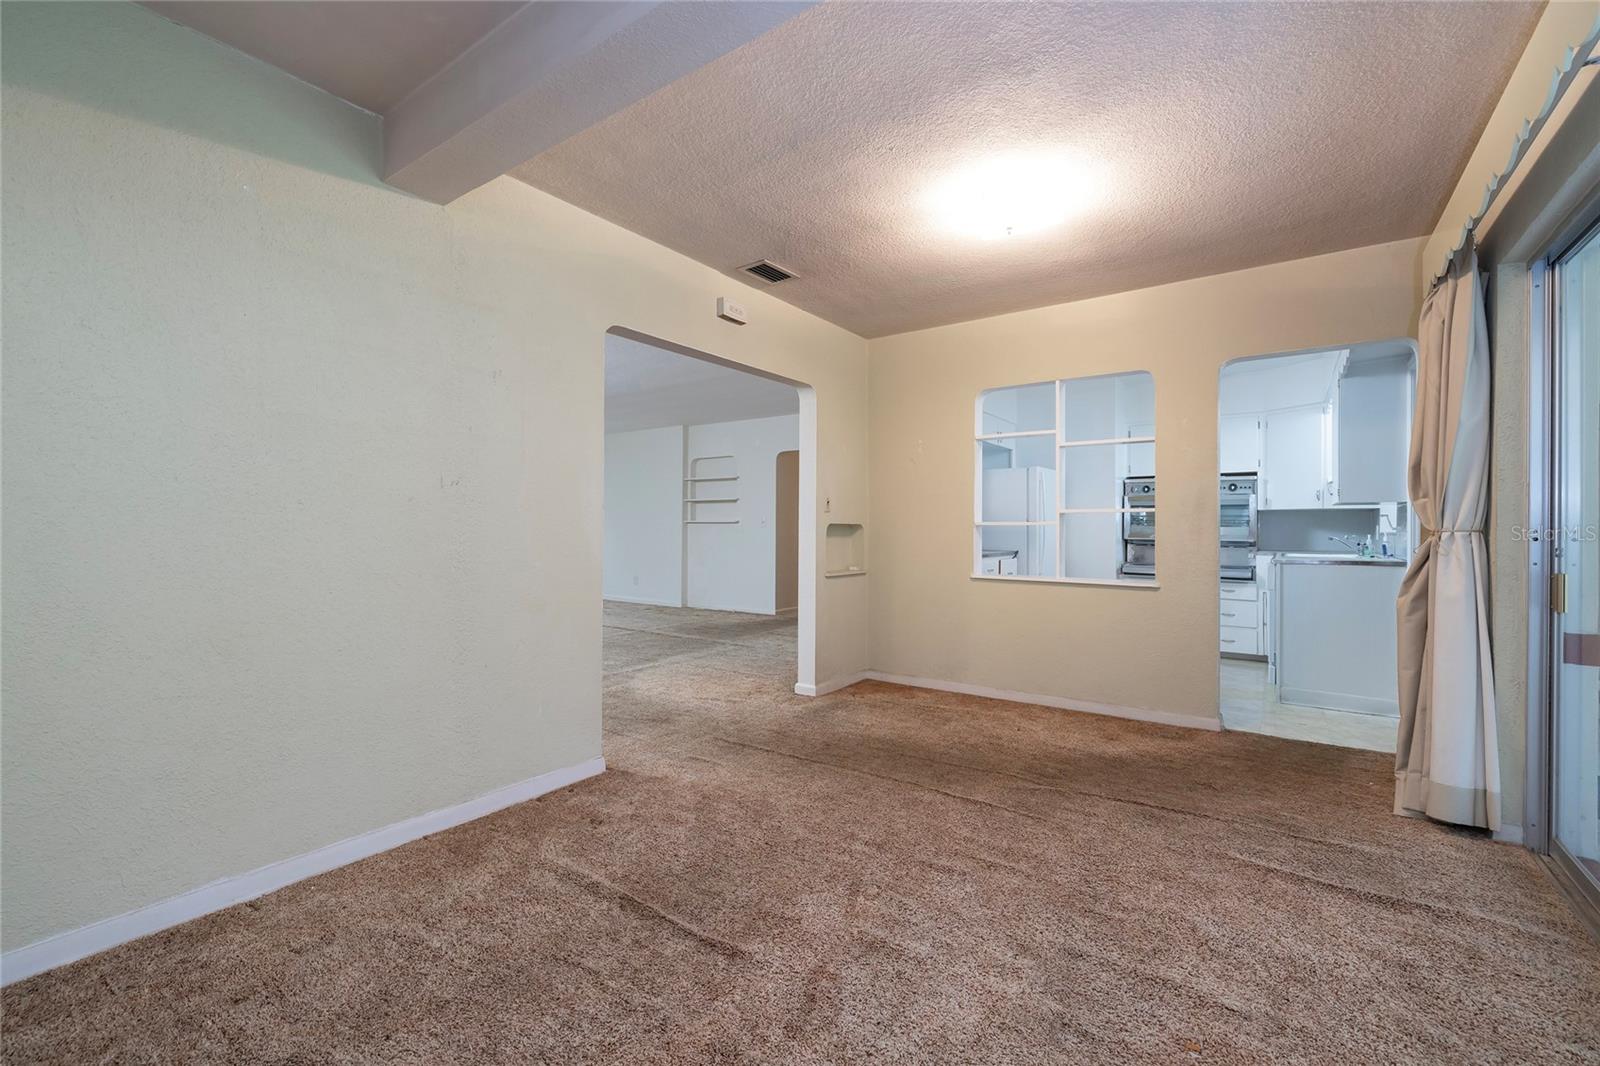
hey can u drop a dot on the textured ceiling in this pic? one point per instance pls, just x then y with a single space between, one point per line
647 387
370 53
1223 136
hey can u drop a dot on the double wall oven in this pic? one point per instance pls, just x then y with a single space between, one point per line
1236 507
1139 527
1237 518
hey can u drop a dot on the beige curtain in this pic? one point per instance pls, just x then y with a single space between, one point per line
1447 763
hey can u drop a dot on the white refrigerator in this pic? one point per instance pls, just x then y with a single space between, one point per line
1022 494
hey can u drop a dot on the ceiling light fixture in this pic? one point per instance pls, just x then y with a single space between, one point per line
1013 195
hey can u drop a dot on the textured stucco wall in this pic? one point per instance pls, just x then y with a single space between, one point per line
302 474
1152 650
644 516
1508 508
734 567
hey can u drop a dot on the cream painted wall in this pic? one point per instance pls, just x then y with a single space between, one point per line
643 529
1150 650
303 475
735 567
1508 556
653 556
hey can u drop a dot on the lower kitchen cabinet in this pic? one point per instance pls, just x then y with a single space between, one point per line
1239 611
1336 631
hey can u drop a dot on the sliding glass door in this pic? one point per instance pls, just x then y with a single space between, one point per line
1573 648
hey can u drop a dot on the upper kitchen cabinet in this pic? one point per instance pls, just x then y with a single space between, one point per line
1324 429
1272 420
1019 411
1239 444
1372 431
1294 471
1135 413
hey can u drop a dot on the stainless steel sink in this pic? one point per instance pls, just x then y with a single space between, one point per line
1349 558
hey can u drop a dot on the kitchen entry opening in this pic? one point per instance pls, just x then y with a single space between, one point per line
1314 535
1063 481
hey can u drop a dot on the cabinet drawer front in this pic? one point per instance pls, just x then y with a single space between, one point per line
1240 641
1244 590
1241 613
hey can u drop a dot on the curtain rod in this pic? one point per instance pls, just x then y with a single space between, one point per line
1565 74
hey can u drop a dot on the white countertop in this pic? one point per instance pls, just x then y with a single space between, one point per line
1339 558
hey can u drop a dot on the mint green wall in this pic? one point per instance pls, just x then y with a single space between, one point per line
302 474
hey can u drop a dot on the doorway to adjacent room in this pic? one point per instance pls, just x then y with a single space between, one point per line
1314 538
702 537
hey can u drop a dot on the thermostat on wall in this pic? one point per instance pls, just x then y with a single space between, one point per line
731 311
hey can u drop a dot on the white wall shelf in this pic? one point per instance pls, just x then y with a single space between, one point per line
697 510
844 550
1017 433
707 516
1100 441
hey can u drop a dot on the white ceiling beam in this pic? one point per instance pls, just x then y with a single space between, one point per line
551 70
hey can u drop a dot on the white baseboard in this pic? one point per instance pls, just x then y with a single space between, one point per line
1340 701
1509 834
831 686
78 943
647 601
1137 714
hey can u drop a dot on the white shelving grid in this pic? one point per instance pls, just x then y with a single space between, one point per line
1059 431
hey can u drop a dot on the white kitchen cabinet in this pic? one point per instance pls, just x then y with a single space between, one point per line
1239 615
1246 614
1140 459
1267 579
1336 635
999 566
1372 432
1294 474
1239 444
1237 640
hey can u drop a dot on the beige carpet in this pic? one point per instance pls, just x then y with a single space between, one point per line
885 875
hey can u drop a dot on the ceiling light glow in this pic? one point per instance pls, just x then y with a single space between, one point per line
1011 196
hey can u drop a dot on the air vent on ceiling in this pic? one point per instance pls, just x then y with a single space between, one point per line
768 271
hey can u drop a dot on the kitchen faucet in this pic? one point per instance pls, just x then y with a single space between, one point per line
1353 543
